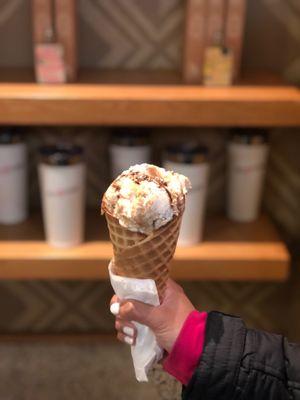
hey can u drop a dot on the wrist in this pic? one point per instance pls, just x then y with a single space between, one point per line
166 338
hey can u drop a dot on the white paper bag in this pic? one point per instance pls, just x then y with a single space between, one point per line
146 351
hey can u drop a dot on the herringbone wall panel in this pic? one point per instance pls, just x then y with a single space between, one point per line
147 34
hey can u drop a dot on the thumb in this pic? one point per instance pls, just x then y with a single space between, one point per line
132 310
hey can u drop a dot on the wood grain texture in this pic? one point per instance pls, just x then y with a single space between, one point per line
231 251
148 104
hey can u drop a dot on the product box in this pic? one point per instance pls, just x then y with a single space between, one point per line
194 42
48 54
49 63
218 66
218 58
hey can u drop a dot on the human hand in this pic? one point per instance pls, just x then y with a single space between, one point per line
165 320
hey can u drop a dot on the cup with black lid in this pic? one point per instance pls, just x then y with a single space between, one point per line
191 160
62 184
129 146
247 159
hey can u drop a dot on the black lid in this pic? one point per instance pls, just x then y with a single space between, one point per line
249 136
130 136
10 135
61 154
187 153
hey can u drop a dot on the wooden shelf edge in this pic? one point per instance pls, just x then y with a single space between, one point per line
263 266
157 104
231 251
196 271
101 251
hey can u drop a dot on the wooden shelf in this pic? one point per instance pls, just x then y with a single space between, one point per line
231 251
137 98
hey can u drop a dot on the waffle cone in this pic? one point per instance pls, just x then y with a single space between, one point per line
137 255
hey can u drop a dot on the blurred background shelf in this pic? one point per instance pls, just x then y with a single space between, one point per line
146 98
231 251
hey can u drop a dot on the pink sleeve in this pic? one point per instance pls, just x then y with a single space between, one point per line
187 350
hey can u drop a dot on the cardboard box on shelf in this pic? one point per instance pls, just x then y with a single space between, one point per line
218 61
49 63
55 41
48 53
218 66
213 41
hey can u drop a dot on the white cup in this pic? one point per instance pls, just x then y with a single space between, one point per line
192 225
129 147
13 183
123 157
63 202
246 172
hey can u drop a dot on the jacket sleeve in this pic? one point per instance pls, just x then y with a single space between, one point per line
241 363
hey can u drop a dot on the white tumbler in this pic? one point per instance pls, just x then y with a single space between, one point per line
247 159
62 184
13 178
191 160
128 147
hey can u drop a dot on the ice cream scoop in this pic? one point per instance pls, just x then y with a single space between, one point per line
145 197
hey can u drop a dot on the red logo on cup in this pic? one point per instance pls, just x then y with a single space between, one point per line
60 192
250 168
7 169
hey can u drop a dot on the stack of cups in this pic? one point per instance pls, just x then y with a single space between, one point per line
190 160
62 183
128 147
247 159
13 177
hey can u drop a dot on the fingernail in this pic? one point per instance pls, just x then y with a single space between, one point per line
128 331
128 340
115 308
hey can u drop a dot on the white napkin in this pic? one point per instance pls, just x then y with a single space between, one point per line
146 351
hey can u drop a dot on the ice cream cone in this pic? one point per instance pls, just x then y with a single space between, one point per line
137 255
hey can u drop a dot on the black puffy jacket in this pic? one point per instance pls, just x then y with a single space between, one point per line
241 363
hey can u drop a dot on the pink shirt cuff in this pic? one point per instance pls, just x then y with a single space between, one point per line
187 350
